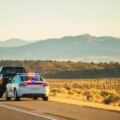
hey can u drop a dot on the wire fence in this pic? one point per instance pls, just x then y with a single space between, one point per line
99 84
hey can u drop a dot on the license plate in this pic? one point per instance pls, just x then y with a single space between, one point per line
34 88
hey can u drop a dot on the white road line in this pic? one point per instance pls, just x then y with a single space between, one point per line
43 116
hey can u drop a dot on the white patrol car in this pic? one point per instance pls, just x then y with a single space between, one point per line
30 85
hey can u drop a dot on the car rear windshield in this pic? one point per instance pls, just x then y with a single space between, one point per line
30 78
8 70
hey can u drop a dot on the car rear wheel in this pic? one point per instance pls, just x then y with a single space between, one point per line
16 98
6 96
45 98
1 92
35 98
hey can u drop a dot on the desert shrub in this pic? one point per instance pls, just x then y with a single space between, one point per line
52 94
113 92
95 98
68 87
80 91
71 92
105 93
91 92
55 90
81 97
112 99
59 90
75 85
77 91
63 91
93 95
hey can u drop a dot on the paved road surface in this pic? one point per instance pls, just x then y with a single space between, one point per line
52 110
8 114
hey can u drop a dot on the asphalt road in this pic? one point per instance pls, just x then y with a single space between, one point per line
9 114
27 109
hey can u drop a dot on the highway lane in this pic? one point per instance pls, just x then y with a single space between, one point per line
9 113
56 110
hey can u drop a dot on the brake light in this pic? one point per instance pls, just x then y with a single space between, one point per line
34 83
44 84
3 80
23 84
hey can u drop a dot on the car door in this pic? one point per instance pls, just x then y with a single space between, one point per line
12 86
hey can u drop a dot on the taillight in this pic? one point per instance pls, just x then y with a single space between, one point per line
44 84
23 84
3 80
34 83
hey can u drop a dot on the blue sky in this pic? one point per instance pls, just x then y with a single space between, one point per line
41 19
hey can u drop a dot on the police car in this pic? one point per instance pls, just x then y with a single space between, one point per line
30 85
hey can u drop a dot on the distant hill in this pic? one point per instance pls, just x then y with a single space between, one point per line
82 47
13 42
68 70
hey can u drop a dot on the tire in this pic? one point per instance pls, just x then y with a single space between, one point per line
1 94
45 98
35 98
6 96
1 91
16 98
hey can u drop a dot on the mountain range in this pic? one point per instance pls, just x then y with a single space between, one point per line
13 42
77 48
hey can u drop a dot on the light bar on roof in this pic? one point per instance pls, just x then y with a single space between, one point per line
33 74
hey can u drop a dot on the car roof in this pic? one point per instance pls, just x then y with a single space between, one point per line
13 66
26 74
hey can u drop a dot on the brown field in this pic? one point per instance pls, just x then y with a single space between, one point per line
101 91
109 84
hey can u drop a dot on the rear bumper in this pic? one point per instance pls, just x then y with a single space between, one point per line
33 95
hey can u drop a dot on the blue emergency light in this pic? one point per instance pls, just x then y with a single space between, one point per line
33 80
36 73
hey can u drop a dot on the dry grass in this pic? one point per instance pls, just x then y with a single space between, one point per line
90 95
85 104
98 84
104 94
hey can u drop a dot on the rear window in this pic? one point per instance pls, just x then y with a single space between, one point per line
30 78
7 70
